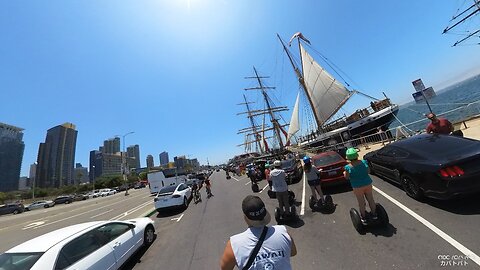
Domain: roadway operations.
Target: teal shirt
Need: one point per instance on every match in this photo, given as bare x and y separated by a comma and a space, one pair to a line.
359, 176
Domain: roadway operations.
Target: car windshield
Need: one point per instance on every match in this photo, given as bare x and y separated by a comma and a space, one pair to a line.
287, 163
167, 189
325, 160
19, 261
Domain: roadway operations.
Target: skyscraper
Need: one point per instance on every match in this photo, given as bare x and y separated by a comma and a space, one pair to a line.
164, 158
111, 146
56, 157
150, 161
11, 155
133, 151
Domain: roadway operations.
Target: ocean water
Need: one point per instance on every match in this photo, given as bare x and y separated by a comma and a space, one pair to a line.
455, 103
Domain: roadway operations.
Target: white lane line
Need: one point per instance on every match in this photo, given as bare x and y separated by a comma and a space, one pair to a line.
474, 257
302, 207
264, 188
235, 179
136, 208
33, 225
102, 213
178, 218
248, 183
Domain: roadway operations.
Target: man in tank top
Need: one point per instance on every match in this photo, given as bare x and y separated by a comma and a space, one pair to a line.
276, 249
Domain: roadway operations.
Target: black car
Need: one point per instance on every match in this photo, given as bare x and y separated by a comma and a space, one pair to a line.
11, 208
293, 169
437, 166
63, 199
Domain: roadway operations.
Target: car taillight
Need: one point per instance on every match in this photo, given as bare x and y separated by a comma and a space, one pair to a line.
453, 171
176, 196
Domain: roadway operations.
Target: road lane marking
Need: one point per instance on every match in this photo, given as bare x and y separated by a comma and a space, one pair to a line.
33, 225
248, 183
302, 207
178, 218
126, 213
235, 179
102, 213
264, 188
474, 257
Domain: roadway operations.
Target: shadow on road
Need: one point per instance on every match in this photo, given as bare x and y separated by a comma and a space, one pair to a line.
462, 206
388, 231
136, 258
337, 189
170, 212
294, 224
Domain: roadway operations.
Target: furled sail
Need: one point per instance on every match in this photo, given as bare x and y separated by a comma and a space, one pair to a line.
326, 94
294, 121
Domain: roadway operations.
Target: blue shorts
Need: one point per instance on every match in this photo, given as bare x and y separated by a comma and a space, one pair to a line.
314, 183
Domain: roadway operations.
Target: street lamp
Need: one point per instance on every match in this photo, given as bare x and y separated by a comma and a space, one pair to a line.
124, 161
33, 182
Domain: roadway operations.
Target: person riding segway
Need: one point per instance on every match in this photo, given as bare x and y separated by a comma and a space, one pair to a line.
286, 209
312, 175
357, 173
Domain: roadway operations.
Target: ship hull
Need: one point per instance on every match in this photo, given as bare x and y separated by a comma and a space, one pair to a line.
363, 127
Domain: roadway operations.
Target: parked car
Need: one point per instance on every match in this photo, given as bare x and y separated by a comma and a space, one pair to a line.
173, 196
39, 204
293, 169
11, 208
139, 185
63, 199
80, 197
107, 192
332, 166
437, 166
91, 245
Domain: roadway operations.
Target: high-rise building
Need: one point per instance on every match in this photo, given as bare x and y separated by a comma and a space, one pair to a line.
133, 151
23, 183
31, 175
180, 162
111, 146
11, 155
164, 158
56, 157
150, 163
95, 167
81, 174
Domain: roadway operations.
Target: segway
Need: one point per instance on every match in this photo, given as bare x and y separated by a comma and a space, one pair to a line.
326, 207
282, 219
255, 187
381, 221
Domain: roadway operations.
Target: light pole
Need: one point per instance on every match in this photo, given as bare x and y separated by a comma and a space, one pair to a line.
124, 161
33, 182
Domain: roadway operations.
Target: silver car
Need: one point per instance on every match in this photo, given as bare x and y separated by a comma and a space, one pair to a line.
39, 204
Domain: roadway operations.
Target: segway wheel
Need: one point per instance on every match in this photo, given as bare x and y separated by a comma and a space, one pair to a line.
229, 177
278, 218
357, 222
271, 194
382, 215
312, 202
329, 205
255, 188
291, 197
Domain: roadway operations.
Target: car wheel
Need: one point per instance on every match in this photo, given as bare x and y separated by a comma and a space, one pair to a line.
411, 187
16, 211
148, 236
67, 202
46, 206
26, 209
185, 202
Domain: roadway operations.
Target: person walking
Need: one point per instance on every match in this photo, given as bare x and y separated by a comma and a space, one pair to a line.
260, 246
280, 187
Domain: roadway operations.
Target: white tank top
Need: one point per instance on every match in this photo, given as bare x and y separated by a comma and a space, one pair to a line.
274, 253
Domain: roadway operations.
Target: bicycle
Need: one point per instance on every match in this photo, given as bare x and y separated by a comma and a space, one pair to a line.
197, 197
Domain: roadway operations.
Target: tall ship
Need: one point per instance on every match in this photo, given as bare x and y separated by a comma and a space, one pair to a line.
325, 95
266, 133
461, 24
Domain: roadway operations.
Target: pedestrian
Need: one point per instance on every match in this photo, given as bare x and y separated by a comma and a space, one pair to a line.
357, 172
267, 175
260, 246
438, 125
280, 187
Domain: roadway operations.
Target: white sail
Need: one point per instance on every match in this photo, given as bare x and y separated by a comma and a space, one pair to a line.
294, 121
326, 94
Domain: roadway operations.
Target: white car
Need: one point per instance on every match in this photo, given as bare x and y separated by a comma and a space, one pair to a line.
107, 192
39, 204
91, 245
173, 196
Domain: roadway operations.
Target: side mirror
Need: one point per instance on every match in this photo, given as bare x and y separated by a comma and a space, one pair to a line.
131, 226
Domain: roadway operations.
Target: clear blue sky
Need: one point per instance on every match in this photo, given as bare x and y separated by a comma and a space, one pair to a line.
173, 71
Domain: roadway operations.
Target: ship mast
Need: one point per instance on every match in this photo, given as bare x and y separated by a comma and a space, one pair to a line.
253, 127
270, 110
476, 9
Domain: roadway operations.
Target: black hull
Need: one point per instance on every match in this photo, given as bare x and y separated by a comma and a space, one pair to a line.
357, 132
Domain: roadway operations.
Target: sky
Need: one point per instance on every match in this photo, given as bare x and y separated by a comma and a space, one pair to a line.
173, 71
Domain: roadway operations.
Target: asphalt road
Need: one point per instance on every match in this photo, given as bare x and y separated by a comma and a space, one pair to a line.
421, 235
16, 229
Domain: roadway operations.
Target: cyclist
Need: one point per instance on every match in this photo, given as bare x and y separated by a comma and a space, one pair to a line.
196, 192
312, 175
